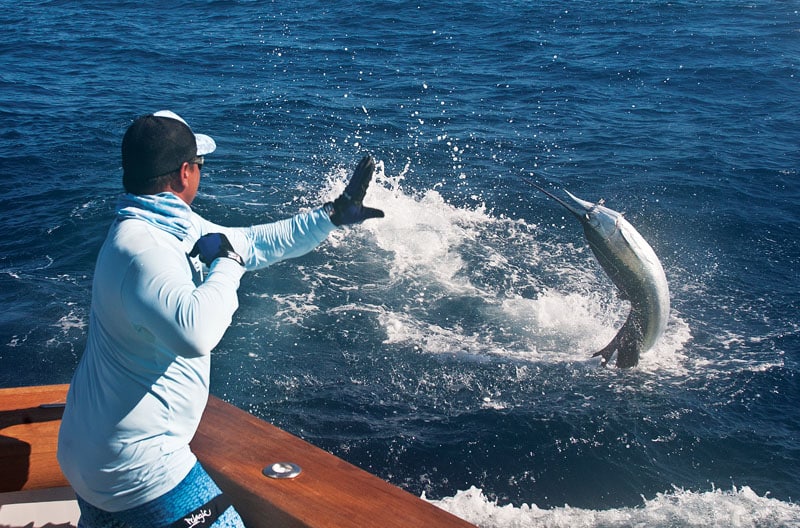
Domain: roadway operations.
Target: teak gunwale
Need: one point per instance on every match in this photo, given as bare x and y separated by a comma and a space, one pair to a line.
234, 446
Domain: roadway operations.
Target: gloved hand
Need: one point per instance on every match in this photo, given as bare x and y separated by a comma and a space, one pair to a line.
348, 208
213, 246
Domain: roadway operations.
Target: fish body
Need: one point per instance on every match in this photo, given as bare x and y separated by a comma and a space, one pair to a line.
635, 270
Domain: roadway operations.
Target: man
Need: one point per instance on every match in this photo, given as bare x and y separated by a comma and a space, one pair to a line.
164, 292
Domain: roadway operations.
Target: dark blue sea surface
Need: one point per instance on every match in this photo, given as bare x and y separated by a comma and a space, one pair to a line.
447, 348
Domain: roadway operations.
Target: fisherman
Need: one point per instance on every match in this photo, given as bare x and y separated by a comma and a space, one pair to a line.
163, 295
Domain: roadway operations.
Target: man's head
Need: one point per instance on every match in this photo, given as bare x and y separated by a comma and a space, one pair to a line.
156, 149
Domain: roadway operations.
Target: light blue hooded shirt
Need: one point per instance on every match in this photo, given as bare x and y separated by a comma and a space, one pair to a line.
141, 386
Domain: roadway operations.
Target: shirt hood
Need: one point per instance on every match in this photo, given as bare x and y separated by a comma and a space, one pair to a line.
165, 211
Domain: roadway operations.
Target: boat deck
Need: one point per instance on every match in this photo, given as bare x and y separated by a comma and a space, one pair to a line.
50, 508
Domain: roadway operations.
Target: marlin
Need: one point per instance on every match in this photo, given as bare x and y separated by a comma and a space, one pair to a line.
635, 270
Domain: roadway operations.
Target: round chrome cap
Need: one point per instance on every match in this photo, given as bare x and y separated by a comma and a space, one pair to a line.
282, 470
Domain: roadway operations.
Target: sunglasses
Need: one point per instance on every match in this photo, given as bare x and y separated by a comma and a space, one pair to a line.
197, 161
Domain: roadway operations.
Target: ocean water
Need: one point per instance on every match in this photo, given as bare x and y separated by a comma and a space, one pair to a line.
447, 348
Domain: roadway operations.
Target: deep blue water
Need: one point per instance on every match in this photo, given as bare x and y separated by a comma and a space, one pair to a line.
446, 348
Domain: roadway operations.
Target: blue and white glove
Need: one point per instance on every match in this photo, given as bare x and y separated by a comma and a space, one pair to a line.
213, 246
348, 208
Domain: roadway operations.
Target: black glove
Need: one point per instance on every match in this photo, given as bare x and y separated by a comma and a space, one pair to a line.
213, 246
347, 208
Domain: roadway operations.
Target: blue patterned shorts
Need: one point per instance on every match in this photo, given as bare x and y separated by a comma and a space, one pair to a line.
196, 502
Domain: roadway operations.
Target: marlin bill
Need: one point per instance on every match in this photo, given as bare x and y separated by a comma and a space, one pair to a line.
634, 269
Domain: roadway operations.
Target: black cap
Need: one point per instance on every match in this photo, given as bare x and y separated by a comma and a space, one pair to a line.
157, 144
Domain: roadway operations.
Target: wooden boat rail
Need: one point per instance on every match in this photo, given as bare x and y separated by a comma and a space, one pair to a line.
234, 447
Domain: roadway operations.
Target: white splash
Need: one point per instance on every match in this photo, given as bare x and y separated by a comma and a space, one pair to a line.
445, 263
737, 508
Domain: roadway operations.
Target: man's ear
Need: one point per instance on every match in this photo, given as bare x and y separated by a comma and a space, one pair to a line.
181, 179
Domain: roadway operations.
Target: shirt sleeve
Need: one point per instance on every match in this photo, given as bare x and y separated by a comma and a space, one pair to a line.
163, 301
265, 244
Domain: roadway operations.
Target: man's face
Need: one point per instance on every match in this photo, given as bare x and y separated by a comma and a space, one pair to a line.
194, 182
